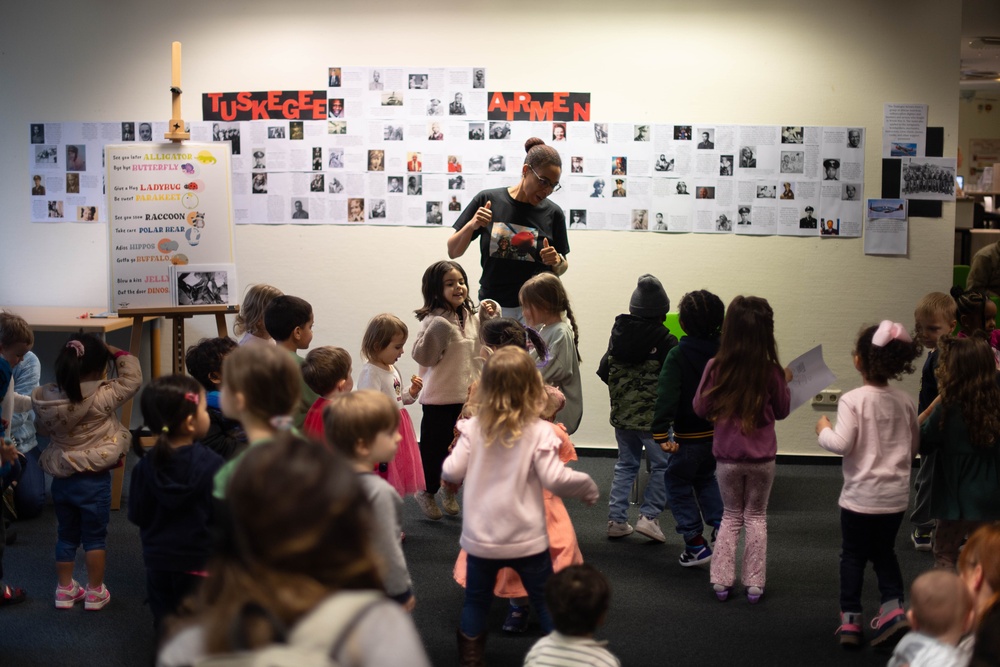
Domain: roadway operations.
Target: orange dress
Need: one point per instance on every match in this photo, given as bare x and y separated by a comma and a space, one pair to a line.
563, 546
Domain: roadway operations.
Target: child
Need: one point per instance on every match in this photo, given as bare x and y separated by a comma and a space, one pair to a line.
79, 413
744, 391
298, 543
639, 344
289, 321
506, 455
16, 339
260, 389
961, 434
543, 302
170, 495
327, 371
29, 491
877, 435
979, 567
976, 311
935, 318
364, 427
381, 347
692, 489
941, 613
578, 598
445, 349
225, 436
249, 324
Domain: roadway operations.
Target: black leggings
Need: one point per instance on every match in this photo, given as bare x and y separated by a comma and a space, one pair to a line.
437, 430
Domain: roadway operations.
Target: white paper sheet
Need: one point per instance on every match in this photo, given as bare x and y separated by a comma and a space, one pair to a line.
810, 375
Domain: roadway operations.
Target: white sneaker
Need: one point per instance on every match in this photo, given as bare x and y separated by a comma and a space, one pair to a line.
619, 528
650, 528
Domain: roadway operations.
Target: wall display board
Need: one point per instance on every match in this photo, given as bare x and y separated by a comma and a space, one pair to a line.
170, 231
411, 146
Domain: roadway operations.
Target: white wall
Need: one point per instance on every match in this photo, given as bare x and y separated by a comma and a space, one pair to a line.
975, 122
727, 61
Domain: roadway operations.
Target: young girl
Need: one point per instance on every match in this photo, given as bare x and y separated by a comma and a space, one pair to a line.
506, 455
260, 389
249, 324
744, 391
543, 302
977, 312
877, 435
78, 412
381, 347
979, 567
170, 495
962, 434
445, 348
563, 545
297, 552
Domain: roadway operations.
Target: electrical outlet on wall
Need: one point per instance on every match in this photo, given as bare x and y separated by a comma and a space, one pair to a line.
827, 398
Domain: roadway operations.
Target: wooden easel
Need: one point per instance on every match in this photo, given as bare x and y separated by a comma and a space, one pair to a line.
177, 133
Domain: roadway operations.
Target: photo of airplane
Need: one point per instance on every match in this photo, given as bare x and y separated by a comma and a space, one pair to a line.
903, 150
893, 209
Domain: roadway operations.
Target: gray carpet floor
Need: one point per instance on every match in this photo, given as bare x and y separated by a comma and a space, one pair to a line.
661, 613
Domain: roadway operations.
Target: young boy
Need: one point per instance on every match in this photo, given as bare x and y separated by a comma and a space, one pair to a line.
327, 372
639, 344
204, 363
941, 613
935, 316
578, 598
364, 426
16, 339
289, 321
692, 488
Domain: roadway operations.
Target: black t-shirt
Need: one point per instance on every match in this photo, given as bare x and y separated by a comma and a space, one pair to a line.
510, 247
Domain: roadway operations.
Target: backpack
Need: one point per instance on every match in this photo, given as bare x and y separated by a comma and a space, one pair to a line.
314, 641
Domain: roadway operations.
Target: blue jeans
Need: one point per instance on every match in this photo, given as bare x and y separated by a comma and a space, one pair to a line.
654, 498
83, 510
29, 494
692, 489
481, 576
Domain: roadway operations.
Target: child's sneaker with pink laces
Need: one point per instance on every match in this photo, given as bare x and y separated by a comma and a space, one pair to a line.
890, 625
69, 596
97, 598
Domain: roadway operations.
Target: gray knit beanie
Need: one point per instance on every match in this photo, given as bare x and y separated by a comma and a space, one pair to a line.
649, 298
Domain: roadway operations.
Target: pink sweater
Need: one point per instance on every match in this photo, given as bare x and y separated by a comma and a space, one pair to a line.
503, 514
878, 436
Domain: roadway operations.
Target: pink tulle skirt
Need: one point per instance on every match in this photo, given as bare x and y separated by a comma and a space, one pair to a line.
406, 471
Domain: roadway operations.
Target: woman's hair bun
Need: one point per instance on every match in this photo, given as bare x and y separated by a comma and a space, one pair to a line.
532, 142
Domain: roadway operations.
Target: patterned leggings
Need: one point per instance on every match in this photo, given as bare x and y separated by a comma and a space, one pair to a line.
745, 489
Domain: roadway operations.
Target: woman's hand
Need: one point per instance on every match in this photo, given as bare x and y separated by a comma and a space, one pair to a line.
548, 254
484, 216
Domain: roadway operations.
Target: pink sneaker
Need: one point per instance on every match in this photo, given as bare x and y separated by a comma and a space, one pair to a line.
97, 598
69, 596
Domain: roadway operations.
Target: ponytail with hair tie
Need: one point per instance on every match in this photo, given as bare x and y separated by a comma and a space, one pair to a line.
281, 422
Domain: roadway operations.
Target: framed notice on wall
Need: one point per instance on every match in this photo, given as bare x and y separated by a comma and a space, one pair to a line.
169, 208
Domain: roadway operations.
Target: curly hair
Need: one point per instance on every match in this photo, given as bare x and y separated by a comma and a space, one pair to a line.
205, 359
971, 306
889, 362
701, 314
251, 316
510, 395
966, 374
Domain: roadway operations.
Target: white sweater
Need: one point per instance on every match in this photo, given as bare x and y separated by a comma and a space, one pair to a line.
503, 515
446, 353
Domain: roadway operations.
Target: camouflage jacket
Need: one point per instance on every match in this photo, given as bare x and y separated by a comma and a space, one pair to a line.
631, 368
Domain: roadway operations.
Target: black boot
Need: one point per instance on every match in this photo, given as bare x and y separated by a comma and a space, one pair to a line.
471, 650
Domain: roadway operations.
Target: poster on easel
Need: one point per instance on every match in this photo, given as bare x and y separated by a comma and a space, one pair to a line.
169, 206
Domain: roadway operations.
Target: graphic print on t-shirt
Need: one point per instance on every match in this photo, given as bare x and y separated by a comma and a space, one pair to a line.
509, 241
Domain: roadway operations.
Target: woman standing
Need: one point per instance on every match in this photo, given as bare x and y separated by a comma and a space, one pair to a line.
521, 218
